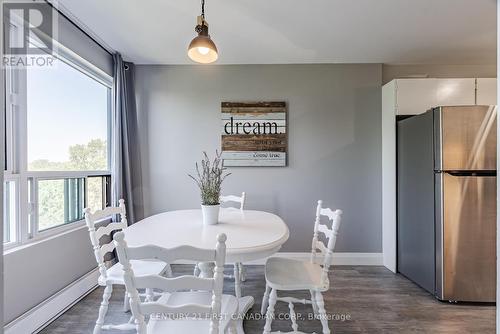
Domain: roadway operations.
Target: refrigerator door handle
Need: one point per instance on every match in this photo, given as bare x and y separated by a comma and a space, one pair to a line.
470, 172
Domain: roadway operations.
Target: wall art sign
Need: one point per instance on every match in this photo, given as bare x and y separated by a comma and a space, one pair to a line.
254, 133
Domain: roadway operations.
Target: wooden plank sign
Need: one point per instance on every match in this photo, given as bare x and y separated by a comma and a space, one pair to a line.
254, 134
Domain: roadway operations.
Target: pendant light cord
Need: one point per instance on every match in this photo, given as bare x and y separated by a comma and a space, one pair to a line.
203, 9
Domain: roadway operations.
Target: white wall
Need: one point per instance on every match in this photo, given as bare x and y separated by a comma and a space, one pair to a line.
36, 272
334, 142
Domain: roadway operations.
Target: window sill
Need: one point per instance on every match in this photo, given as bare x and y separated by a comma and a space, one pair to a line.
50, 235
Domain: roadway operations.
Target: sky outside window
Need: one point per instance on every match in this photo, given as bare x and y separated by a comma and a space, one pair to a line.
66, 108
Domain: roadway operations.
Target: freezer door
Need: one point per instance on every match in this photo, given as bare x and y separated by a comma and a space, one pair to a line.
465, 138
468, 244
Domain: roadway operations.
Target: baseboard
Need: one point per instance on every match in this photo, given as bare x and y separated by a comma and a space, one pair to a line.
41, 315
339, 259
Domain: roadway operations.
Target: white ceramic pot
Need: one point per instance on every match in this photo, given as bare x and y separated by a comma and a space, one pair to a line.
210, 214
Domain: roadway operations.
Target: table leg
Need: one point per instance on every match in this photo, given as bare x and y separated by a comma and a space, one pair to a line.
237, 281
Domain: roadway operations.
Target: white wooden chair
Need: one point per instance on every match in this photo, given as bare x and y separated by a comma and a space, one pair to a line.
290, 274
239, 269
114, 275
235, 199
239, 273
204, 309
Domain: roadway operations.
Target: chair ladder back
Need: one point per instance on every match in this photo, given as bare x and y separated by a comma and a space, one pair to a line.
331, 243
129, 279
95, 235
236, 199
328, 212
331, 235
170, 255
186, 310
315, 240
110, 211
172, 284
187, 282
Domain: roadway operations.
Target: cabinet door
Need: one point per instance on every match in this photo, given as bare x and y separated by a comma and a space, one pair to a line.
486, 91
416, 96
455, 92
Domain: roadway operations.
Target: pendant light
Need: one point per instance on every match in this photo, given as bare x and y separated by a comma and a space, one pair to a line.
202, 49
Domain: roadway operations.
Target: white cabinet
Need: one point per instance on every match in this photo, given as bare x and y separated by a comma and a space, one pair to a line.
455, 92
487, 91
389, 175
416, 96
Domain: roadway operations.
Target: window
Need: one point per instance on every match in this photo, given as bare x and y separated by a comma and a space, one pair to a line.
98, 192
57, 147
74, 108
60, 202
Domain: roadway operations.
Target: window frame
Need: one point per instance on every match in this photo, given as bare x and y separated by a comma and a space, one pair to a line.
16, 226
16, 153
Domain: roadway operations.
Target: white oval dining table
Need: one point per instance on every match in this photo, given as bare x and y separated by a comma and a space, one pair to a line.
251, 235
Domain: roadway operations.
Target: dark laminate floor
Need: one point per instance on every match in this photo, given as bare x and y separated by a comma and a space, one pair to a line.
374, 299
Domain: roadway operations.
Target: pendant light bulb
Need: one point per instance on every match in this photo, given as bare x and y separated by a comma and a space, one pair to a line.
203, 50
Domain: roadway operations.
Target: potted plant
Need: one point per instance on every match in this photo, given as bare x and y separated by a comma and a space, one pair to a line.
210, 175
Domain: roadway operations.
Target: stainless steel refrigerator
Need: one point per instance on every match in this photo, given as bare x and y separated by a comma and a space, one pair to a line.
447, 202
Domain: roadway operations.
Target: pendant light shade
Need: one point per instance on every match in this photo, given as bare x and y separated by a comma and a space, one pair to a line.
202, 49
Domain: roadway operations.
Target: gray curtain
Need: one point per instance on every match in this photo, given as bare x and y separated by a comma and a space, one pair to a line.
125, 158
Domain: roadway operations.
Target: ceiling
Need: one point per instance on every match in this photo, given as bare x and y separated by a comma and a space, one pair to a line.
293, 31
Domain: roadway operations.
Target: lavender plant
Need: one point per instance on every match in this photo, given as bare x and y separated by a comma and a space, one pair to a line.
210, 175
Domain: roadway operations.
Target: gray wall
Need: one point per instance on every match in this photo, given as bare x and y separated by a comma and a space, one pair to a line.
334, 142
390, 72
34, 273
